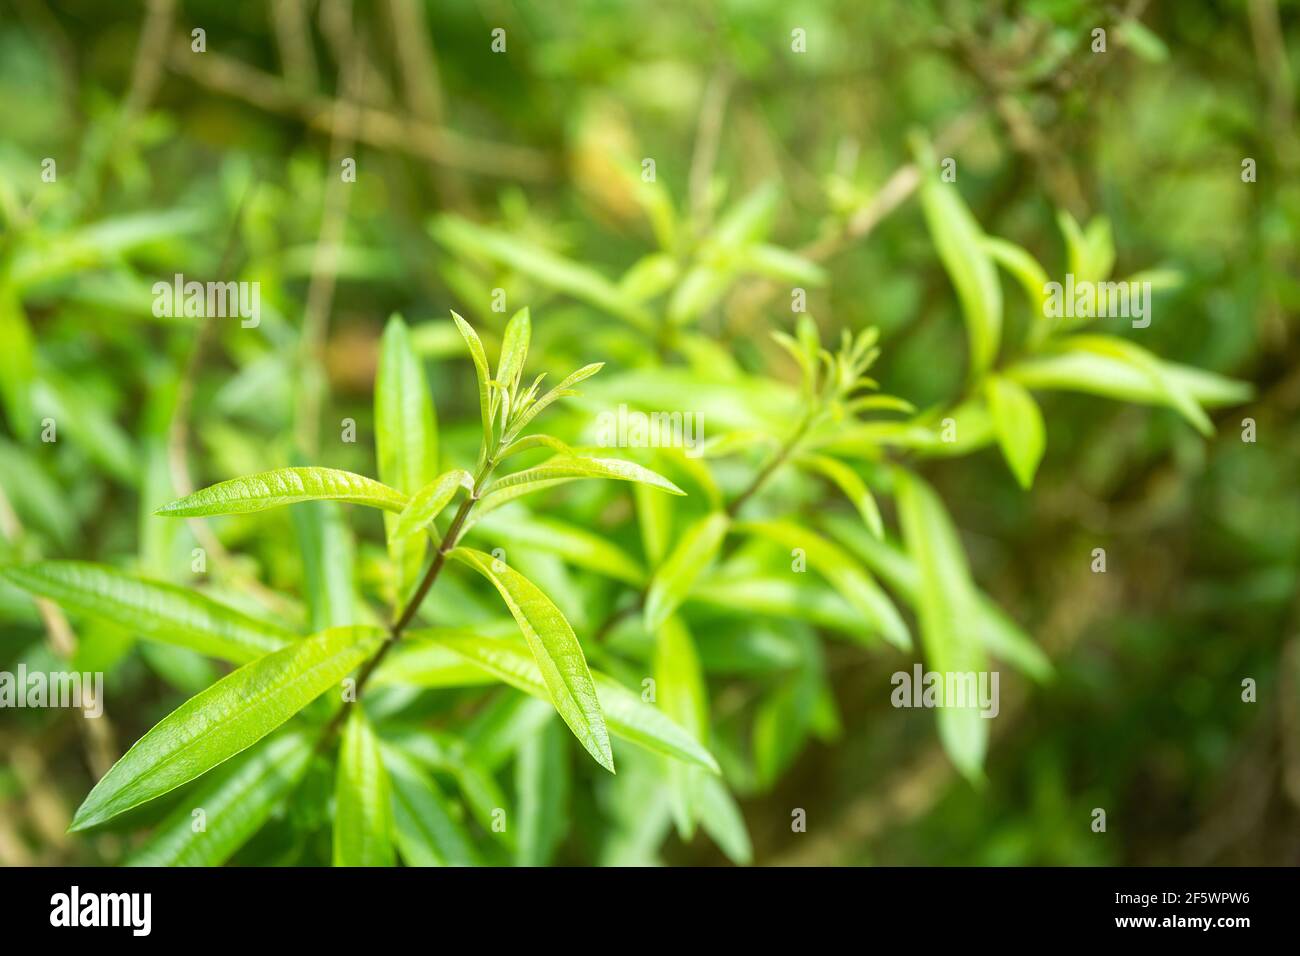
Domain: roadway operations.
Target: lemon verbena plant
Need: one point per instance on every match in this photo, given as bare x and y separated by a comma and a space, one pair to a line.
295, 698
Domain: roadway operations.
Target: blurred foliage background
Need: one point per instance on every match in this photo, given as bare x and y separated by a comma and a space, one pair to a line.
522, 170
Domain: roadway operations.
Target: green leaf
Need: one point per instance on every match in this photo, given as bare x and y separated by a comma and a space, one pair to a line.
626, 714
514, 349
777, 597
994, 630
1026, 271
654, 517
844, 573
959, 242
722, 820
427, 503
406, 440
574, 544
854, 488
946, 607
235, 801
1119, 350
328, 563
481, 373
542, 791
425, 827
530, 442
541, 265
1106, 376
562, 469
681, 694
563, 390
284, 486
690, 558
363, 811
150, 609
1019, 426
17, 364
228, 717
555, 648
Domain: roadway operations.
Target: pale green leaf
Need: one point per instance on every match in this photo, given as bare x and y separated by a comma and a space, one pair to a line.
425, 826
514, 349
845, 574
542, 792
946, 607
151, 609
626, 714
285, 486
328, 563
427, 503
691, 557
406, 440
226, 718
682, 695
555, 649
235, 800
995, 632
481, 372
562, 469
1019, 426
363, 811
959, 242
854, 488
543, 266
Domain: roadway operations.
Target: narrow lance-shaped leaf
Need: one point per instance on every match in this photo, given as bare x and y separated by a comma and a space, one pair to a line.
284, 486
542, 792
363, 821
1019, 426
427, 503
425, 829
555, 648
1169, 388
514, 349
946, 608
854, 488
17, 363
844, 573
1111, 378
996, 633
627, 715
691, 557
150, 609
479, 357
406, 440
562, 469
681, 693
328, 563
573, 544
235, 801
959, 242
564, 389
231, 715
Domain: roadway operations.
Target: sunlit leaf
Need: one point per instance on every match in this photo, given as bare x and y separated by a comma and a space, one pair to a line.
1019, 426
626, 714
946, 606
231, 715
555, 649
235, 801
363, 812
285, 486
151, 609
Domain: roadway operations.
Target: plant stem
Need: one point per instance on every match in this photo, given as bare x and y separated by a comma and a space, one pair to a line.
398, 627
779, 457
